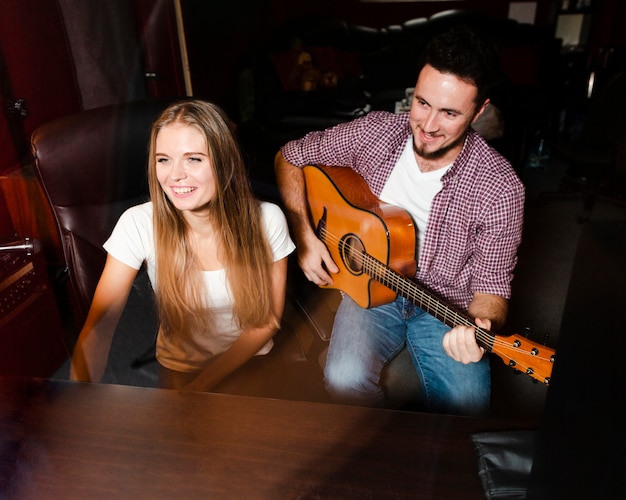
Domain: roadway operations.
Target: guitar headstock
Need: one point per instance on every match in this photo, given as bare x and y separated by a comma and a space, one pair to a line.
524, 355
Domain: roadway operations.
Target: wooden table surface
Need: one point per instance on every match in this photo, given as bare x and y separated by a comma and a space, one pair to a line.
72, 440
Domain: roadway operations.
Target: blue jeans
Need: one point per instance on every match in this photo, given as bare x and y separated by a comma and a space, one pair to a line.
364, 340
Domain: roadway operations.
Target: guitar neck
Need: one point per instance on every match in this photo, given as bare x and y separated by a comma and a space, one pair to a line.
425, 300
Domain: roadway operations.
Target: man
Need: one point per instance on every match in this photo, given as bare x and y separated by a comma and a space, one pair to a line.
467, 204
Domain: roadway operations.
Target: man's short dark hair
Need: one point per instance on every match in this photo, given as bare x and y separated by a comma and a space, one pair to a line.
466, 54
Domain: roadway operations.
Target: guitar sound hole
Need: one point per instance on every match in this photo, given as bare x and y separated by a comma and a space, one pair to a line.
352, 253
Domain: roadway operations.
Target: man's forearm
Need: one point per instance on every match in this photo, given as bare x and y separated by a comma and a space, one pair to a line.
290, 180
491, 307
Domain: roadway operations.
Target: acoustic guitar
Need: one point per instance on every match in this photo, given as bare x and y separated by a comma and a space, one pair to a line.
373, 243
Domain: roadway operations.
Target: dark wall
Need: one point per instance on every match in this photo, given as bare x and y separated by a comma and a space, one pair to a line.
219, 34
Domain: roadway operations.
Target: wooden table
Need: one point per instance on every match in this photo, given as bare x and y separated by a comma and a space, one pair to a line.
70, 440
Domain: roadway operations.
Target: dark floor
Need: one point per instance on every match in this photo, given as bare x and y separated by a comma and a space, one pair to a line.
540, 290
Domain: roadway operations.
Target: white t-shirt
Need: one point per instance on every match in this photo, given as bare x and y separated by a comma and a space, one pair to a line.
412, 190
132, 243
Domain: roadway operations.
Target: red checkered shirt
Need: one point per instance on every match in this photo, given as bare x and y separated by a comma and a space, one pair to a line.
475, 222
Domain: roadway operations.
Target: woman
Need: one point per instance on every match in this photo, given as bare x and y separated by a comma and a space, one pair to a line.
216, 256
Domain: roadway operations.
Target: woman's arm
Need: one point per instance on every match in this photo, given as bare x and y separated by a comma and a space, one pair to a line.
94, 342
249, 342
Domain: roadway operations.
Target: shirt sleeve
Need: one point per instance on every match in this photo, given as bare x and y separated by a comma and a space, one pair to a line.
340, 145
370, 145
497, 244
131, 240
277, 230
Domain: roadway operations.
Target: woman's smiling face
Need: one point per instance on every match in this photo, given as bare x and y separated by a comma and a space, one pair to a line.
183, 167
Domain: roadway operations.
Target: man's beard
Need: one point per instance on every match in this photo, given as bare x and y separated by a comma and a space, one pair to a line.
441, 152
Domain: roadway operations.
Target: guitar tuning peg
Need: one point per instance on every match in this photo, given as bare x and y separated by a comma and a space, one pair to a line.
528, 331
546, 337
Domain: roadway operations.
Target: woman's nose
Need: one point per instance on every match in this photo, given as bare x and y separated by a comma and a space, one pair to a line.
178, 171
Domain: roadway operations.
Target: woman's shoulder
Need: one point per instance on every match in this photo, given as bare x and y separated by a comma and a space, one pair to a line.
276, 229
269, 207
142, 208
136, 220
270, 211
142, 211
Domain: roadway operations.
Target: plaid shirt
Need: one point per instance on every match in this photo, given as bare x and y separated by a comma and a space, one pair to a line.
475, 222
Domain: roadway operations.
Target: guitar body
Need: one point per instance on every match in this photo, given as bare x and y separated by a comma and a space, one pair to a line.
354, 218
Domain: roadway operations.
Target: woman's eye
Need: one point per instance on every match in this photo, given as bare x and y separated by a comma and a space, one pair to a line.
162, 160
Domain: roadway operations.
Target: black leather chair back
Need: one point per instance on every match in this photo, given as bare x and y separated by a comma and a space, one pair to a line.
92, 166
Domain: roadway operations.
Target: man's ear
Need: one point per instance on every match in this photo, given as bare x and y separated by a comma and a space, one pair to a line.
481, 110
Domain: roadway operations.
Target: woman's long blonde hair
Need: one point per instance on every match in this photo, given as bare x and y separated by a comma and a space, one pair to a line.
235, 214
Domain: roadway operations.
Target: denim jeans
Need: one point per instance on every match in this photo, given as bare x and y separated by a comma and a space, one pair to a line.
364, 340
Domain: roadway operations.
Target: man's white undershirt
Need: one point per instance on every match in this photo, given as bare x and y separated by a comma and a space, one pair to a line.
412, 190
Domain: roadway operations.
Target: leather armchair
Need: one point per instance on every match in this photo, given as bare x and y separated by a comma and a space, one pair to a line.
92, 166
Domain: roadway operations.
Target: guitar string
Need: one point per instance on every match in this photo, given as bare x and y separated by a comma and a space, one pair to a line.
409, 288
